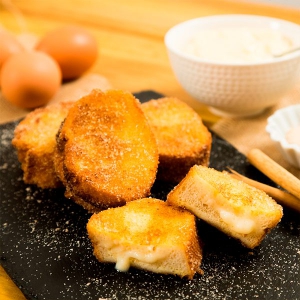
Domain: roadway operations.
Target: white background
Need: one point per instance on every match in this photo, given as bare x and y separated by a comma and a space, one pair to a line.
290, 3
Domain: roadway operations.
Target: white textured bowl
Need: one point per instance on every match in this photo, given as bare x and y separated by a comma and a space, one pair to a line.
233, 89
278, 126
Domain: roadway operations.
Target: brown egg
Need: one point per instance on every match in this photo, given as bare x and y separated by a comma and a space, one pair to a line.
72, 47
30, 79
9, 45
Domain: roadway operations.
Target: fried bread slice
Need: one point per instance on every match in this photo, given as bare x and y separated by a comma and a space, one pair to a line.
234, 207
147, 234
34, 139
182, 139
106, 152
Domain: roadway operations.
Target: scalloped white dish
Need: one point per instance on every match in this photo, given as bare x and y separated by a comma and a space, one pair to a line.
279, 125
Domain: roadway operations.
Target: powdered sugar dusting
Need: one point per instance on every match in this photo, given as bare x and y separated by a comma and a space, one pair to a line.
45, 248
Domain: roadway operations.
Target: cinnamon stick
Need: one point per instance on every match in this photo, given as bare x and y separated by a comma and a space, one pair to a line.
274, 171
280, 196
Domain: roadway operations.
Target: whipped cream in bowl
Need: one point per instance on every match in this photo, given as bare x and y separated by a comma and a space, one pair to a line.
232, 63
238, 45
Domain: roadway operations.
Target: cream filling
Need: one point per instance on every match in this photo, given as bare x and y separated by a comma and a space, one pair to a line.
146, 255
123, 255
241, 223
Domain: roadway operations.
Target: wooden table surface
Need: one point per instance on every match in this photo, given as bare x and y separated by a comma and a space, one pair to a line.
130, 34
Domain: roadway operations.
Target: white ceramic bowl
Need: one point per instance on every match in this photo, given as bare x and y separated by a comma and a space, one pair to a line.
234, 89
279, 125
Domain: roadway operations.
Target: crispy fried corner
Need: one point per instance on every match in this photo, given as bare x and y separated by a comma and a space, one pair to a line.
106, 152
34, 139
147, 234
183, 140
234, 207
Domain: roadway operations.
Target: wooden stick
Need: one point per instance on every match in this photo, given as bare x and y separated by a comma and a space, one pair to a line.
274, 171
280, 196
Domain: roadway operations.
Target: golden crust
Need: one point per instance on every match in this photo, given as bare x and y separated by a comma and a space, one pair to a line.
233, 206
34, 139
106, 152
147, 228
182, 139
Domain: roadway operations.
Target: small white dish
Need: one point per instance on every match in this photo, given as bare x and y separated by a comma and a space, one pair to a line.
278, 126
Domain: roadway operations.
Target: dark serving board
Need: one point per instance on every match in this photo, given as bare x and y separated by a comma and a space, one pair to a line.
45, 249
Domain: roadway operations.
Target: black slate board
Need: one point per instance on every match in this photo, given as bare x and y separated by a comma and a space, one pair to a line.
45, 249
